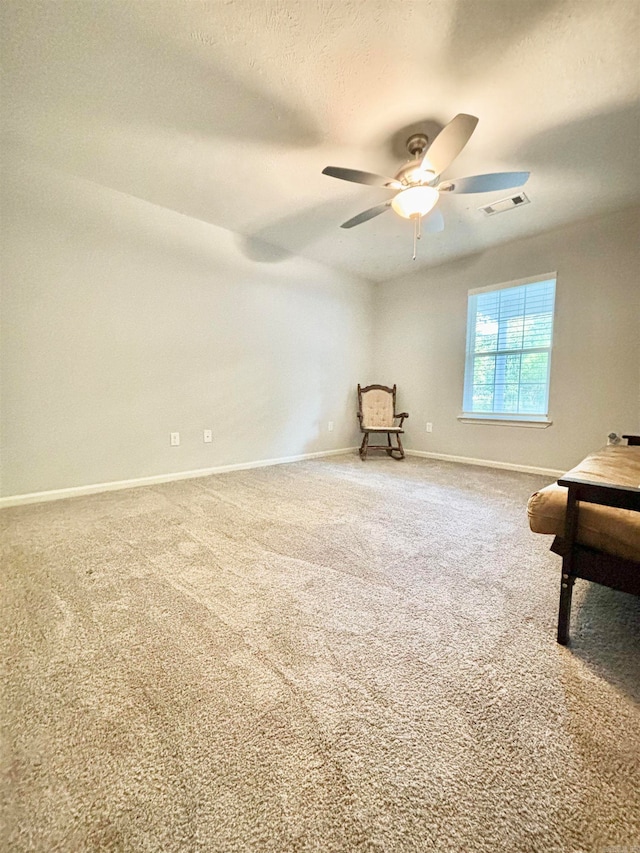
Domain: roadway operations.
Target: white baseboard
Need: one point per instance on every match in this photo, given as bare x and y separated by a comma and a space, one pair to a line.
96, 488
488, 463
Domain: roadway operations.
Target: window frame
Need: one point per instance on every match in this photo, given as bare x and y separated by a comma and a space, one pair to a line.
540, 420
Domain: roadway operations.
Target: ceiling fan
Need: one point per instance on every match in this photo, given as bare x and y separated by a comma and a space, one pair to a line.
415, 185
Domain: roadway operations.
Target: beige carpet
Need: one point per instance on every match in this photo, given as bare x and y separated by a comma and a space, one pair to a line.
323, 656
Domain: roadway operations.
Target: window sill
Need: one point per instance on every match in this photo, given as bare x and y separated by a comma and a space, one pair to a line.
529, 422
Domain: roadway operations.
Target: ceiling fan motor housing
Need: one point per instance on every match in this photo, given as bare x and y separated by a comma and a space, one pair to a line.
412, 174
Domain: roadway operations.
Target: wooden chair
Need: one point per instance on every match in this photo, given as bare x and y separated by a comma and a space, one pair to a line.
377, 414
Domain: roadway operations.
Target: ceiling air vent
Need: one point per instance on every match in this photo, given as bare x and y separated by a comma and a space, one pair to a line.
505, 204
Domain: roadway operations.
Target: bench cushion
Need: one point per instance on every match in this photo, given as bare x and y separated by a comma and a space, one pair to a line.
614, 531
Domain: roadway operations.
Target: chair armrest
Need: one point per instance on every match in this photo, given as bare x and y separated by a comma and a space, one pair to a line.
401, 415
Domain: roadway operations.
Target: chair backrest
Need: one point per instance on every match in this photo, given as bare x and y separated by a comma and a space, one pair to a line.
377, 404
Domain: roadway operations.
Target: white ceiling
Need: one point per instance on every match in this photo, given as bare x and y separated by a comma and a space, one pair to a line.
228, 111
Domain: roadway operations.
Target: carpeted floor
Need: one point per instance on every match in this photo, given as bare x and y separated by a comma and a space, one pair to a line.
324, 656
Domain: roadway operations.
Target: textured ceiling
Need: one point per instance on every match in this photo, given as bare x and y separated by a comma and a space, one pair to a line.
228, 111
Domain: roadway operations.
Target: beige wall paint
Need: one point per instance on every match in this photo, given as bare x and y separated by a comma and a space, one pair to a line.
123, 321
595, 381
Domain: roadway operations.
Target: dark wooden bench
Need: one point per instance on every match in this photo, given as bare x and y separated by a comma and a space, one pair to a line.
580, 561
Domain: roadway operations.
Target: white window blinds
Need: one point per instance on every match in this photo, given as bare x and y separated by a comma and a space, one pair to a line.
509, 337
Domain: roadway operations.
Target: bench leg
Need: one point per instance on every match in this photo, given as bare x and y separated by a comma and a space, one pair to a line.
564, 613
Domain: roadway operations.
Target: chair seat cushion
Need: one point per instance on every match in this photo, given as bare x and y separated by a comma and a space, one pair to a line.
366, 428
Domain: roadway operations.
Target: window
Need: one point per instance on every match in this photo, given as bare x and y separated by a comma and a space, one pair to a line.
509, 337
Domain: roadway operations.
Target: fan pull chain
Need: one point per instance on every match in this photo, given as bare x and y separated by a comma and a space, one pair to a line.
417, 233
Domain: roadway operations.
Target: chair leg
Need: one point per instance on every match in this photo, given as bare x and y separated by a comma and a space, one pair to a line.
390, 448
400, 447
364, 446
564, 612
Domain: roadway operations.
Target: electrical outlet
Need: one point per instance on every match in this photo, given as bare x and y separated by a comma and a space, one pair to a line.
175, 439
207, 436
330, 426
429, 427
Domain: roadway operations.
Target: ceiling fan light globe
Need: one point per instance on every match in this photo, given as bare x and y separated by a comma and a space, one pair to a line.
415, 201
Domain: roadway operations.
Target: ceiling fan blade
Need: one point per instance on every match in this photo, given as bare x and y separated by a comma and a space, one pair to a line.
433, 222
362, 177
366, 214
449, 143
485, 183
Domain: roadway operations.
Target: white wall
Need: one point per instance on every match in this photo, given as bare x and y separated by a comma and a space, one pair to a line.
123, 321
595, 378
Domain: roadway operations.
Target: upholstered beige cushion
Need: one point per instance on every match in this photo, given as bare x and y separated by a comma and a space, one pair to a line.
377, 409
615, 531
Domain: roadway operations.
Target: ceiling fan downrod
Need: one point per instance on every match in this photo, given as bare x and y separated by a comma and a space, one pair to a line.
417, 145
